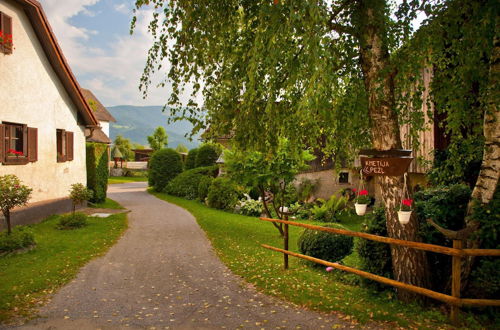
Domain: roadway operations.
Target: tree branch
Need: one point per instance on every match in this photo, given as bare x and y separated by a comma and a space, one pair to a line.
461, 234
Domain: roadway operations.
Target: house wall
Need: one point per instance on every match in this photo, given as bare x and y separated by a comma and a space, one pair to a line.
328, 181
104, 127
32, 94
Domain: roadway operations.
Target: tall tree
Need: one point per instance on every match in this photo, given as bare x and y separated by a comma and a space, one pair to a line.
159, 139
125, 147
272, 69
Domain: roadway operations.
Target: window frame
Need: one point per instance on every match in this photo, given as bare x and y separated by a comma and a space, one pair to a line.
16, 159
6, 26
64, 143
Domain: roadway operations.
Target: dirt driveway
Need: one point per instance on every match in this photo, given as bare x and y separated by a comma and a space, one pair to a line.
163, 274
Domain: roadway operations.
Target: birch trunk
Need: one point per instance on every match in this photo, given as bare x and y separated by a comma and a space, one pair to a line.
409, 265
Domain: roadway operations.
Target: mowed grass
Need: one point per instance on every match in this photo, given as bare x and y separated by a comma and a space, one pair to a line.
237, 240
125, 179
27, 278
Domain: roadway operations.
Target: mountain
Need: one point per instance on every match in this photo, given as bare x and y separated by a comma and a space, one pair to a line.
137, 123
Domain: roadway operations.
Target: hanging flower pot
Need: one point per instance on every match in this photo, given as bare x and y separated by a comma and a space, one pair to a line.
404, 213
361, 202
360, 208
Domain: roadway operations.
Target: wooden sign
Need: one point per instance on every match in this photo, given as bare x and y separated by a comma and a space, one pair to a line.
388, 166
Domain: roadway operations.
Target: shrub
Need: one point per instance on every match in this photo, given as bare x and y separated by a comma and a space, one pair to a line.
164, 165
191, 159
203, 186
185, 185
447, 207
222, 194
328, 210
79, 194
97, 171
72, 221
12, 194
250, 207
324, 245
206, 156
20, 237
375, 257
306, 189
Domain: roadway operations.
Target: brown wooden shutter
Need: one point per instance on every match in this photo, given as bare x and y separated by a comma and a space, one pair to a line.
32, 144
6, 27
2, 143
69, 146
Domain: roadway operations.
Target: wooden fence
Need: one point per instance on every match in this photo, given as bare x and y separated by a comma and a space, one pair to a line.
457, 252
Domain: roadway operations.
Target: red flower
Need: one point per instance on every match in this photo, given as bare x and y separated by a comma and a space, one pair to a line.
407, 202
354, 190
363, 192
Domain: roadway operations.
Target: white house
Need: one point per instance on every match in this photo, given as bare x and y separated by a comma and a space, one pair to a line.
44, 117
103, 116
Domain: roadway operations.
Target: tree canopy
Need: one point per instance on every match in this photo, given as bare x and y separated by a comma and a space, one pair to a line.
159, 139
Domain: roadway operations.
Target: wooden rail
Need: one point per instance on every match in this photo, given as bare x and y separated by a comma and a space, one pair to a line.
456, 252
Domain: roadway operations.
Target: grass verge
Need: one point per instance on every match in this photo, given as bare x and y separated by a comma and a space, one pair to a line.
125, 179
27, 279
107, 204
237, 240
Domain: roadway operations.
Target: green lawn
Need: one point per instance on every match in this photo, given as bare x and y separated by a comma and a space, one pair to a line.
27, 278
237, 240
107, 204
125, 179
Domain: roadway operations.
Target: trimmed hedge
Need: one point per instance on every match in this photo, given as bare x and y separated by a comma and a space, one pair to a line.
203, 186
186, 184
72, 221
97, 171
164, 165
222, 194
191, 159
206, 156
324, 245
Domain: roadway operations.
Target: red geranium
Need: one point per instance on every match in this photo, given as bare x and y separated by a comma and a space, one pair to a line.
363, 192
406, 204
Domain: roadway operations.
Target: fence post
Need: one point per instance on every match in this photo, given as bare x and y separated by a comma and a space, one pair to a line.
285, 243
456, 270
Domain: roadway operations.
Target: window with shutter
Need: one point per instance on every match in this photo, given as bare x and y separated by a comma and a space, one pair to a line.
69, 146
6, 36
32, 144
61, 145
2, 143
20, 144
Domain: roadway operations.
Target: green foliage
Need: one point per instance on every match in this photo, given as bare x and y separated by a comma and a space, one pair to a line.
305, 189
125, 147
20, 238
12, 193
164, 165
181, 148
79, 194
72, 221
159, 139
97, 171
250, 207
222, 194
203, 186
187, 183
324, 245
206, 155
327, 211
191, 159
375, 257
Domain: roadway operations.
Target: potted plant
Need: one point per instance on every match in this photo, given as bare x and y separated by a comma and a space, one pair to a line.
405, 210
361, 202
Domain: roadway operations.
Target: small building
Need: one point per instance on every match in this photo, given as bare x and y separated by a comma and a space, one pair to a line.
44, 117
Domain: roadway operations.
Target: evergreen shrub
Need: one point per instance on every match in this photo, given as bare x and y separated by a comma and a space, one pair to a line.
191, 159
222, 194
324, 245
97, 171
164, 165
206, 156
203, 185
20, 238
72, 221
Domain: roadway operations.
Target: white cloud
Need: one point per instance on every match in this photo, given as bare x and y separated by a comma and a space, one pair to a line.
122, 8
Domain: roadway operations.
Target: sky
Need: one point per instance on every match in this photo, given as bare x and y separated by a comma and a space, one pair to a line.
94, 36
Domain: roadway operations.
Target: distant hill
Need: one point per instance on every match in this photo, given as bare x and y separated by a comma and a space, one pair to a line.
136, 123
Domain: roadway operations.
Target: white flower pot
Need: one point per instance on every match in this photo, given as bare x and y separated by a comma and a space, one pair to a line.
360, 208
404, 217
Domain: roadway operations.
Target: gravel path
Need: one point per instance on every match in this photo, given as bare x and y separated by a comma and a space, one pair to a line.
164, 274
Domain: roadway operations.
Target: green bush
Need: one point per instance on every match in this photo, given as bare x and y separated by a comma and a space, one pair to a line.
206, 156
20, 238
97, 171
191, 159
447, 207
324, 245
250, 207
222, 194
164, 165
328, 211
375, 257
203, 186
72, 221
186, 184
